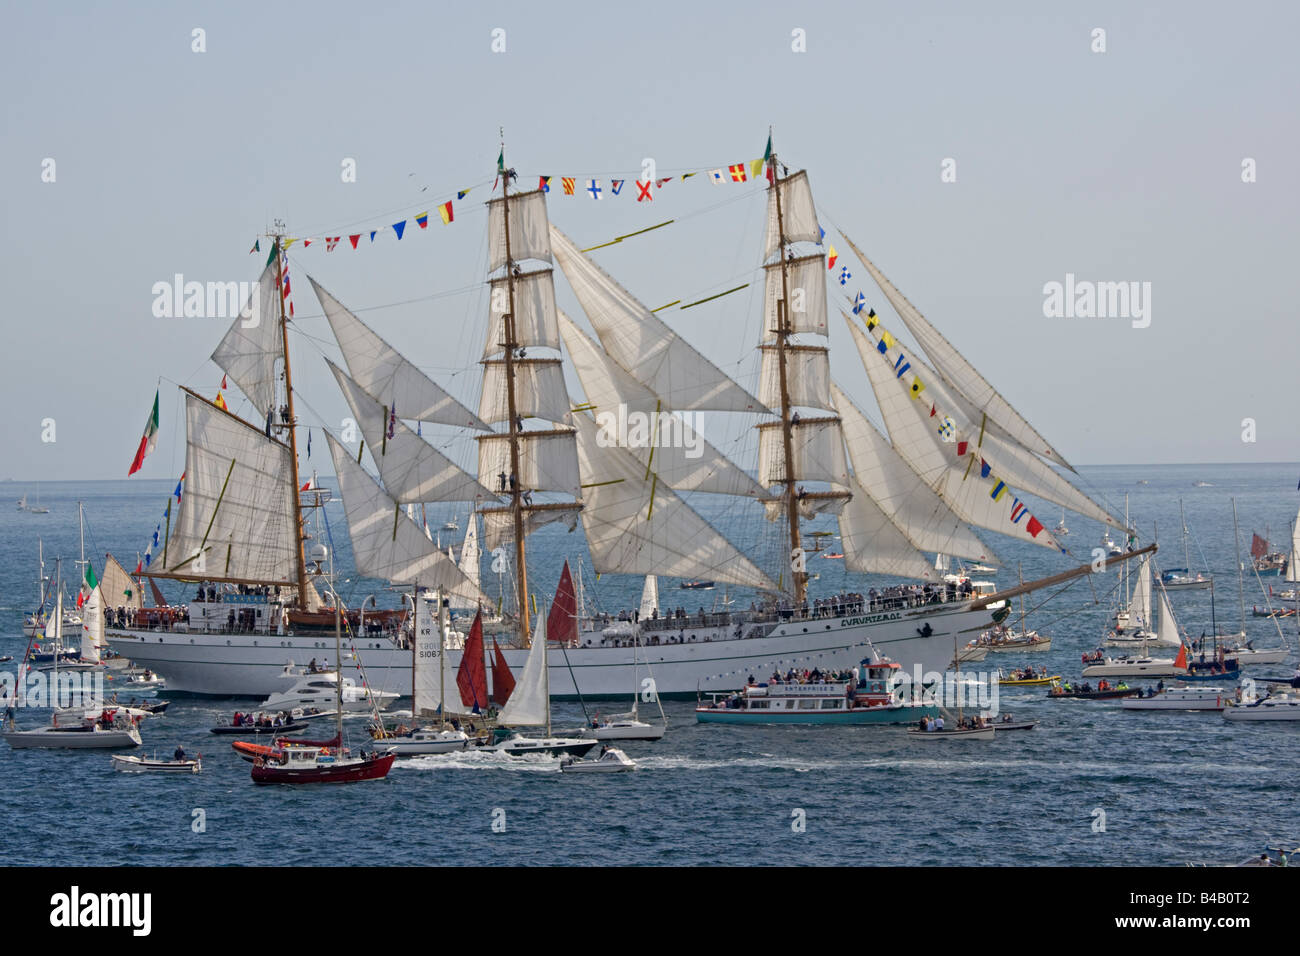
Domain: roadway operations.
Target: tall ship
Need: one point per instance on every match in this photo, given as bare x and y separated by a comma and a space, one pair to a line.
957, 458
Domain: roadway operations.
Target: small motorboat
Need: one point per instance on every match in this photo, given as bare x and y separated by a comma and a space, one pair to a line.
611, 760
698, 585
517, 745
627, 729
6, 658
1061, 693
319, 762
133, 764
1017, 679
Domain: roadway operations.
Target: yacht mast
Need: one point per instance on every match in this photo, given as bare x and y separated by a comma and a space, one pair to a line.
516, 491
783, 331
299, 531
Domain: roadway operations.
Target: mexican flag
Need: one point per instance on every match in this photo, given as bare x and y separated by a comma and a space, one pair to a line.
150, 440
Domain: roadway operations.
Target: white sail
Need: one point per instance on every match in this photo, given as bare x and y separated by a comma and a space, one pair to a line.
914, 507
1168, 635
649, 598
1019, 467
1139, 605
528, 229
411, 469
646, 348
92, 627
386, 375
528, 705
805, 281
818, 448
237, 519
873, 544
120, 589
539, 390
470, 564
534, 312
958, 372
953, 469
434, 682
252, 351
388, 545
547, 461
637, 525
499, 527
1293, 560
807, 376
798, 214
688, 463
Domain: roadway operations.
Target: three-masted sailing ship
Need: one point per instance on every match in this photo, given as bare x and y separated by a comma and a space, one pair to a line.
947, 467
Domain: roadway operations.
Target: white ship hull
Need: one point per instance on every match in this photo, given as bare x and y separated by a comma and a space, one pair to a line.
244, 665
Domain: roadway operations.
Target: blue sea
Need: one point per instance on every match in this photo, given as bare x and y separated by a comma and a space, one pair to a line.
1090, 785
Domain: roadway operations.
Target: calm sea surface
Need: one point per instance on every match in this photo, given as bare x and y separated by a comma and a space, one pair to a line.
1172, 787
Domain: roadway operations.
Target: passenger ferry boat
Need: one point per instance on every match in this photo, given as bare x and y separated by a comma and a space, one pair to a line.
870, 699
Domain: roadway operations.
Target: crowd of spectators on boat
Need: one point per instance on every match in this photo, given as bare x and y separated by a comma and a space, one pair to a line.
806, 676
282, 719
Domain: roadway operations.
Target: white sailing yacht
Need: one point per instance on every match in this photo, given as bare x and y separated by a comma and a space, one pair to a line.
949, 465
1182, 579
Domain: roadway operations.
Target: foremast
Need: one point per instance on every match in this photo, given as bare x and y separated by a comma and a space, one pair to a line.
808, 384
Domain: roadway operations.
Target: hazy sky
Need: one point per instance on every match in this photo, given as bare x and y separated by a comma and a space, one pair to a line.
1117, 166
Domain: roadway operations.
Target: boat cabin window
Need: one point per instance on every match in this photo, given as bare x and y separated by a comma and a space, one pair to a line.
807, 705
831, 704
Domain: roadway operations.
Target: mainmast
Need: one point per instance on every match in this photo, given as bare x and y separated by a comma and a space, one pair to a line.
783, 331
516, 485
291, 424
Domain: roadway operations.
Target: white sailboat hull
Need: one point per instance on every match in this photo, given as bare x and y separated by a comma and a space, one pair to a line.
71, 738
1146, 667
1273, 708
234, 665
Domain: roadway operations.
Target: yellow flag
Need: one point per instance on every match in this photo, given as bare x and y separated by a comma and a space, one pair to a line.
755, 167
888, 339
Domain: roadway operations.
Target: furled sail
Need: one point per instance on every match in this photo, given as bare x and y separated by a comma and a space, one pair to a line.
386, 375
646, 348
539, 390
881, 473
636, 524
954, 469
528, 229
688, 463
252, 351
806, 282
534, 312
1293, 563
237, 519
411, 469
388, 545
807, 376
120, 589
798, 213
528, 705
958, 372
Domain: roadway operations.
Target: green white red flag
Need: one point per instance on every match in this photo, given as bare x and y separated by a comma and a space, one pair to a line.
149, 441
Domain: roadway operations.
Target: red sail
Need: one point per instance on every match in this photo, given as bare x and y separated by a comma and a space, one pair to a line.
158, 598
562, 621
1258, 546
472, 676
503, 682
